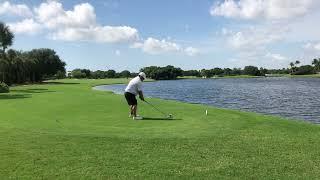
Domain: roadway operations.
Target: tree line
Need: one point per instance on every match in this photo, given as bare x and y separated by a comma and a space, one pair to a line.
153, 72
17, 67
295, 69
99, 74
170, 72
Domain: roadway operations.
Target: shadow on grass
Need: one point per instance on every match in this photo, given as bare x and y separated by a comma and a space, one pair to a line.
34, 90
159, 119
59, 83
14, 96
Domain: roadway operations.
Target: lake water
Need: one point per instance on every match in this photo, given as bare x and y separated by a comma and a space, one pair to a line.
297, 98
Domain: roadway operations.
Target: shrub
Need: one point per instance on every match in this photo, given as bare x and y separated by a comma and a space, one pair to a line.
4, 88
304, 70
251, 70
60, 75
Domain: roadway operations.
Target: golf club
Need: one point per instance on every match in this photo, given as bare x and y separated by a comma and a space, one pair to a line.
169, 116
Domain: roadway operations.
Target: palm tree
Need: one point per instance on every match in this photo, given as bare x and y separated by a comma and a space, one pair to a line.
316, 63
6, 40
6, 37
295, 67
292, 67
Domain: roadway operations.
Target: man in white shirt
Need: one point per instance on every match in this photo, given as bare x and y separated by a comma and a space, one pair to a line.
133, 89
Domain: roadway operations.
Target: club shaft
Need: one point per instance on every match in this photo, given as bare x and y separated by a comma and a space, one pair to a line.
156, 108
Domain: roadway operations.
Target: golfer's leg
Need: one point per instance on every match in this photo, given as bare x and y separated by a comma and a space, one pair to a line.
134, 109
130, 109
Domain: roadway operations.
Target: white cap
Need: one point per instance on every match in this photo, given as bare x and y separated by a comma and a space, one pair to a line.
142, 74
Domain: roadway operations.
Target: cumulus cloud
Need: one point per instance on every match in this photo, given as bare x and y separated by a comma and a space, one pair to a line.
53, 15
267, 9
312, 46
101, 34
262, 58
275, 56
78, 24
191, 51
15, 9
27, 26
155, 46
254, 37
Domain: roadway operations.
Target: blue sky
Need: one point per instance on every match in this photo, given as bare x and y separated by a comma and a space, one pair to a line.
191, 34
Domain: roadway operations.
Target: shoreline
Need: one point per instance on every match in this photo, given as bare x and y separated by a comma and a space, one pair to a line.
248, 76
211, 106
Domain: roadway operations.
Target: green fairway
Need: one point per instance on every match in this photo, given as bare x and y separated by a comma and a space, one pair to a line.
66, 130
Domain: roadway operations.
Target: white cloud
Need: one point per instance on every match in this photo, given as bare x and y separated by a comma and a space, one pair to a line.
255, 37
250, 45
78, 24
260, 59
15, 9
54, 16
226, 31
137, 45
155, 46
27, 26
190, 51
102, 34
275, 23
312, 46
275, 56
267, 9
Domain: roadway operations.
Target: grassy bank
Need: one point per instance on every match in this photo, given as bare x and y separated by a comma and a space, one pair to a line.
305, 76
238, 76
67, 130
248, 76
241, 76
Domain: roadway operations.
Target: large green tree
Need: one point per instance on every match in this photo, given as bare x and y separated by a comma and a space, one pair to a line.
251, 70
125, 74
6, 40
6, 37
162, 73
47, 63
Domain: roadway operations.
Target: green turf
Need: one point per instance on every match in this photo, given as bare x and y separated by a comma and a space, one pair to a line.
67, 130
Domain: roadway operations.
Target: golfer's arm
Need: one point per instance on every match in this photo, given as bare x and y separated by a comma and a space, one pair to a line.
141, 95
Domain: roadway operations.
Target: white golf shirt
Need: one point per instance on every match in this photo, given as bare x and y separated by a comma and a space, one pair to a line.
134, 86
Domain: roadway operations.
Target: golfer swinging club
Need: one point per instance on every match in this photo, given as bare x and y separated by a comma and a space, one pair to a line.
135, 88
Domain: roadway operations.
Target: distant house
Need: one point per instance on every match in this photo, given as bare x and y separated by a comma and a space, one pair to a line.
69, 74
